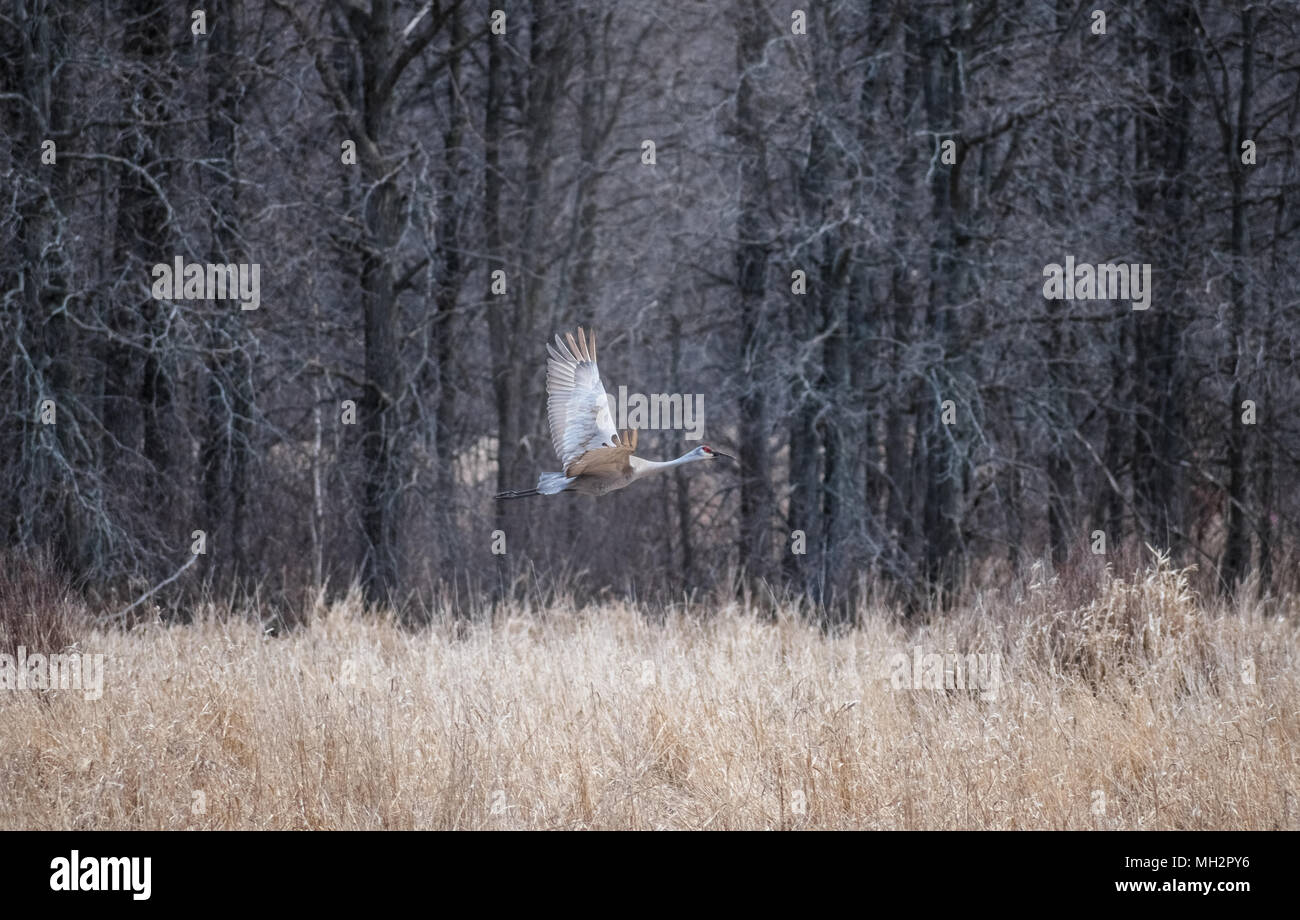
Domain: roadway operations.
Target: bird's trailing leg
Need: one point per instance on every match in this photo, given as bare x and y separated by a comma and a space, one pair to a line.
547, 484
517, 493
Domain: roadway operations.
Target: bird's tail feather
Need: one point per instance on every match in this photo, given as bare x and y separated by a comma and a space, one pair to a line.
551, 483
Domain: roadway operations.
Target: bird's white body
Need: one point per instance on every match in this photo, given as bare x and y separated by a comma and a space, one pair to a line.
553, 483
597, 459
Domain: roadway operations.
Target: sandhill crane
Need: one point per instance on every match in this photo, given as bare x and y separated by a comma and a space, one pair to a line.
596, 458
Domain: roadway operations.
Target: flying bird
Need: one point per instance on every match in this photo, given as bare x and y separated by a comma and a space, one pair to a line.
597, 459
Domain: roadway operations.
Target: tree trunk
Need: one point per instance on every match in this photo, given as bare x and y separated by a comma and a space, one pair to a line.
751, 271
1236, 552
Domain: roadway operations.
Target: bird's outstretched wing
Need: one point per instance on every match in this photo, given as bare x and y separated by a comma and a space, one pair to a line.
576, 404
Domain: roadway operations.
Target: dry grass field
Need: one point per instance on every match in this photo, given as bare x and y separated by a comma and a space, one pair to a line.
1140, 707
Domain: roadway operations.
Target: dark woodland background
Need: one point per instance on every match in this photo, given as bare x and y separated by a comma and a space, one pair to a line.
522, 152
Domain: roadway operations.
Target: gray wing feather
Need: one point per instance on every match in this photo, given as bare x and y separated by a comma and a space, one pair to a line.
576, 405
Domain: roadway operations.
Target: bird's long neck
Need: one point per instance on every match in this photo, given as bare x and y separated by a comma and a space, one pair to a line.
646, 467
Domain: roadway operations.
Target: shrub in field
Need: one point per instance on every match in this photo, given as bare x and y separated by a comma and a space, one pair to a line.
37, 607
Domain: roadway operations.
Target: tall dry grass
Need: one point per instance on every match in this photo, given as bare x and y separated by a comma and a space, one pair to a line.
1132, 705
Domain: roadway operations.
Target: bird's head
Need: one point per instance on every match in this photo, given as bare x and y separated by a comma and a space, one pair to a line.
712, 453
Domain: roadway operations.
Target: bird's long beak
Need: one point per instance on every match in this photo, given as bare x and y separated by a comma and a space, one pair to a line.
723, 453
